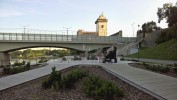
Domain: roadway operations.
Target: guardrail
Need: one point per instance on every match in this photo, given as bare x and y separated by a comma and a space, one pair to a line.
65, 38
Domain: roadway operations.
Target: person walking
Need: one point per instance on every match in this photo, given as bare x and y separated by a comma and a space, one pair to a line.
114, 50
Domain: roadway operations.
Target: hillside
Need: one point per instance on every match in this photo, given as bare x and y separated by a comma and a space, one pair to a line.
164, 51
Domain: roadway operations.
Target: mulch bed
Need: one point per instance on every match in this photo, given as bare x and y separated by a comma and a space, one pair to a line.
33, 90
141, 66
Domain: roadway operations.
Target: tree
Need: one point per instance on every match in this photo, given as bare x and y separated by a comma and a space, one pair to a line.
149, 27
168, 12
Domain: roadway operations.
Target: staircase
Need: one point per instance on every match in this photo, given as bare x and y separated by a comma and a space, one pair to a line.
126, 49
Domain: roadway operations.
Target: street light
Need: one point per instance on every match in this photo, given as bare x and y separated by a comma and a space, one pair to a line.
67, 29
138, 31
138, 43
24, 27
138, 51
133, 28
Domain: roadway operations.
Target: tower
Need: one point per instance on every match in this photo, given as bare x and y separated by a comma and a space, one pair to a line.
101, 25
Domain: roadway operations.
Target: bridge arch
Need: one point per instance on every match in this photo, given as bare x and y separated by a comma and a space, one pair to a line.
12, 46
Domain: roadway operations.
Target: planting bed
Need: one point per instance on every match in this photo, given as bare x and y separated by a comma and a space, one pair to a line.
171, 72
33, 90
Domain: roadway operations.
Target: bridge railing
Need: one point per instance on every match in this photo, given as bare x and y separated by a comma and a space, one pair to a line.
65, 38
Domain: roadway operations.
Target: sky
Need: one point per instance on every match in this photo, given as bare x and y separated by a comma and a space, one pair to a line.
57, 15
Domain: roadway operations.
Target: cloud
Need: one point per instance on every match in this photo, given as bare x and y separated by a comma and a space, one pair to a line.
9, 13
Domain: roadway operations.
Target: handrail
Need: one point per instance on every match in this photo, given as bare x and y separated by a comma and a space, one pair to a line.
64, 38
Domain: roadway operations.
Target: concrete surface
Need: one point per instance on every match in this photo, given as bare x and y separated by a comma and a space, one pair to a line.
160, 86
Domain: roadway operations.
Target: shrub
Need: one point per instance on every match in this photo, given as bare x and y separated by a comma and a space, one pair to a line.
175, 64
23, 62
6, 70
54, 77
27, 66
74, 76
16, 70
55, 80
45, 84
100, 89
175, 69
63, 58
42, 60
122, 59
145, 64
16, 63
165, 69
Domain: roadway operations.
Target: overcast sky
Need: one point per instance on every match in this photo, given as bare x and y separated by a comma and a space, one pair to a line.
79, 14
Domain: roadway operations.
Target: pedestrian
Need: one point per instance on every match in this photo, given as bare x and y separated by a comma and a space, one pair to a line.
114, 50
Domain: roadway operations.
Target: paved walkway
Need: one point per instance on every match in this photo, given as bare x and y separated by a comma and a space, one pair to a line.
154, 60
158, 85
161, 86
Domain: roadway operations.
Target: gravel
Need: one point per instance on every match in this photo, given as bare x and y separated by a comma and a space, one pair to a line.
33, 90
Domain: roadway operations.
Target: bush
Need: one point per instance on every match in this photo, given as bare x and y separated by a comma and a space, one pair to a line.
175, 67
55, 80
6, 70
74, 76
16, 69
122, 59
27, 66
16, 63
42, 60
165, 69
45, 84
175, 64
63, 58
23, 62
157, 68
100, 89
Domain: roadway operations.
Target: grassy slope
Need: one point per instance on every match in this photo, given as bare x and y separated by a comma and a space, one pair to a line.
167, 51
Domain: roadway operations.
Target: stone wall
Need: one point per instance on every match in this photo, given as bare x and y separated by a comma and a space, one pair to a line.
150, 38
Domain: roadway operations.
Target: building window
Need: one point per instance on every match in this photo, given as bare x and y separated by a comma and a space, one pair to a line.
102, 26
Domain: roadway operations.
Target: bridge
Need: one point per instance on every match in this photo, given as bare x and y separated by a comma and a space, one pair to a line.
15, 41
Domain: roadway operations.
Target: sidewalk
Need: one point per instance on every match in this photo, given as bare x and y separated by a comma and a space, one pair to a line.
154, 60
158, 85
16, 79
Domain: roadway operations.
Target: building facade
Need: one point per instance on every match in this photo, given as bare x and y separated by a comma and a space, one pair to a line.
101, 27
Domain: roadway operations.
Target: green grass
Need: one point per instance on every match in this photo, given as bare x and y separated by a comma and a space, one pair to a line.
164, 51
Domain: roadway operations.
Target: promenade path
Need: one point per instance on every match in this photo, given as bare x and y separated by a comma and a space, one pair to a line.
160, 86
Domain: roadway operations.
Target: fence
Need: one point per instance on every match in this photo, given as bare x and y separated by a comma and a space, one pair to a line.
65, 38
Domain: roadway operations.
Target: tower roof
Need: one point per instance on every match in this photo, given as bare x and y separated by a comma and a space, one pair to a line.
101, 18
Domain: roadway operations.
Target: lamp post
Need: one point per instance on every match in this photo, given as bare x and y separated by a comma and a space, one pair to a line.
67, 29
138, 52
138, 43
24, 27
138, 31
133, 28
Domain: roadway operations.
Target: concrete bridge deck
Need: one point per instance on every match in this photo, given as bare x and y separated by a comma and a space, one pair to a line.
161, 86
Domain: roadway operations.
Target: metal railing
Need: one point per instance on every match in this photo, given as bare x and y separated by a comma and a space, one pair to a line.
65, 38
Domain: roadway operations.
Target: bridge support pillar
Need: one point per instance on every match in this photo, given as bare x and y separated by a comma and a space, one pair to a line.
4, 59
86, 54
